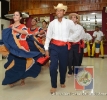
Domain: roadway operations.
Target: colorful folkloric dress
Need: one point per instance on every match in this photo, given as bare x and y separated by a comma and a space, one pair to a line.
38, 37
20, 63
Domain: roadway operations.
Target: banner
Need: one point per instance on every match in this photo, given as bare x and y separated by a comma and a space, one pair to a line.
83, 77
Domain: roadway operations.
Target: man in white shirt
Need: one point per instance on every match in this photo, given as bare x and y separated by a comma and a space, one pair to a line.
98, 37
88, 37
56, 45
77, 45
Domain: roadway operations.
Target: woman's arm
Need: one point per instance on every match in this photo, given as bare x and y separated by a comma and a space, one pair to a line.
40, 32
19, 30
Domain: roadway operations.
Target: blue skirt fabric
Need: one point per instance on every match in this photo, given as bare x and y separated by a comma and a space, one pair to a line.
9, 42
34, 70
10, 58
31, 40
18, 71
1, 42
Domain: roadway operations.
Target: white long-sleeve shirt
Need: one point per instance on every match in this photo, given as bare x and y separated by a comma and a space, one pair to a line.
59, 31
88, 37
77, 34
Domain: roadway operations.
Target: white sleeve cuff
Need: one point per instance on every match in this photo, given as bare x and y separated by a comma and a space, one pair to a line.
46, 48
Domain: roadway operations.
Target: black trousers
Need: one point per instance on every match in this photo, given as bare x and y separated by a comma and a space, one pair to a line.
58, 57
74, 58
81, 56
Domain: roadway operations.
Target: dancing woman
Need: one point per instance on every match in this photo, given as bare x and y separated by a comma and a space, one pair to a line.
21, 61
38, 32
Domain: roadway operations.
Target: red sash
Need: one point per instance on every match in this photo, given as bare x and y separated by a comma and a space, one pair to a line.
43, 60
81, 44
60, 43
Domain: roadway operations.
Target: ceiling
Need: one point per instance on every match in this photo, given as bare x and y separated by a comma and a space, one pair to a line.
7, 0
52, 0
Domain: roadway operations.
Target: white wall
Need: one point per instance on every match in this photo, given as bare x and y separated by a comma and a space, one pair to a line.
0, 8
5, 24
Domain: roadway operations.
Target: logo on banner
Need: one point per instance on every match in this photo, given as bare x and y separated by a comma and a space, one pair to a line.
83, 77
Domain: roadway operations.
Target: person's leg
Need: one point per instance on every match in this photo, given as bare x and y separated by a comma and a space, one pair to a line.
22, 82
53, 66
76, 61
81, 57
63, 61
70, 61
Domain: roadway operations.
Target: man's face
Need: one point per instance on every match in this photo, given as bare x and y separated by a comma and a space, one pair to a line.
60, 13
74, 19
97, 29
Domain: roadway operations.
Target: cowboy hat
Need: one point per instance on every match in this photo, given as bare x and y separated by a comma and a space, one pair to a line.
74, 14
61, 6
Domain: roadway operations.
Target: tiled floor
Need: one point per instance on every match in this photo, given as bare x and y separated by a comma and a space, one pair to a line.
38, 89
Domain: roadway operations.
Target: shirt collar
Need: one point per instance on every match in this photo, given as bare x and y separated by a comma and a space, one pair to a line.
62, 20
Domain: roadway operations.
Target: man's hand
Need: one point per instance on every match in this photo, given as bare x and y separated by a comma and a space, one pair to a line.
95, 36
97, 41
46, 53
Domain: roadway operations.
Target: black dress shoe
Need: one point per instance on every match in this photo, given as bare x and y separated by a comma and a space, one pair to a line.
91, 56
102, 57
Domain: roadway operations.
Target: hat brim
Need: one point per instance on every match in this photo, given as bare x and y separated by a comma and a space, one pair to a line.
63, 7
74, 14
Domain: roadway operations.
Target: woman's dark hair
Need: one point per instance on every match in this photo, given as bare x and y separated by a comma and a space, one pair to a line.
35, 19
45, 22
19, 13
